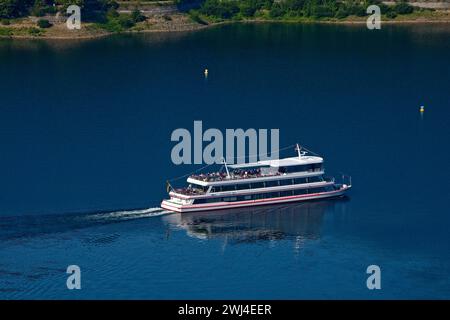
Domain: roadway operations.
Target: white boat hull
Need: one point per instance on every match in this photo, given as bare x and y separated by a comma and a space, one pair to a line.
176, 207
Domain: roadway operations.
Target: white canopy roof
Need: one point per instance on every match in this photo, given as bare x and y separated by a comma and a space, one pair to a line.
286, 162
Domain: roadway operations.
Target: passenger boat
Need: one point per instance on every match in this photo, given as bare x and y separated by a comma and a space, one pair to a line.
293, 179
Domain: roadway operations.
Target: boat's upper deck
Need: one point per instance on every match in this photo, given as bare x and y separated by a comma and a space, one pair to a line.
286, 162
260, 169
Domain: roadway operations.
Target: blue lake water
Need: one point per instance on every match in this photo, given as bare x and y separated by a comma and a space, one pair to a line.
85, 138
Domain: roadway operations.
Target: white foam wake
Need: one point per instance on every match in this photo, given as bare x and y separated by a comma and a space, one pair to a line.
130, 214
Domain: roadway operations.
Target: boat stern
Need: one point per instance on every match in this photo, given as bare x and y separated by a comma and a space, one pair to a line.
171, 205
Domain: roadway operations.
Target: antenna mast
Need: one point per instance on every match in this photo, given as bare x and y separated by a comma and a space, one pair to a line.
226, 167
298, 149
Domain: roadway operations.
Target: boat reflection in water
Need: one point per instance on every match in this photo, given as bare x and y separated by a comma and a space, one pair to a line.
301, 221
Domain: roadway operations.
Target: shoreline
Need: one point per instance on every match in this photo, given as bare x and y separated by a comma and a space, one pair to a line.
98, 34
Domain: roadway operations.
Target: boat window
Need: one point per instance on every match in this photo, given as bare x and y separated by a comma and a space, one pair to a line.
229, 188
274, 183
210, 200
313, 179
267, 195
305, 167
316, 190
286, 193
285, 182
229, 199
299, 180
243, 186
300, 192
257, 185
245, 198
272, 195
299, 168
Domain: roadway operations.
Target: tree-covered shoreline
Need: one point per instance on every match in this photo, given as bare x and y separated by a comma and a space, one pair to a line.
38, 18
11, 9
221, 10
101, 12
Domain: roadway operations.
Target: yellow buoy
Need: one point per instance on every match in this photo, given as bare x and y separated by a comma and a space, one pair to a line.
422, 109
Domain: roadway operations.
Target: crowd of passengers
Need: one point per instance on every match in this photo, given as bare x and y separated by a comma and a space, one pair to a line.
235, 174
190, 190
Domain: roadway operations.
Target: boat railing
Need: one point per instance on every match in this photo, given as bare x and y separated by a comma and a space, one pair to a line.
213, 177
219, 176
189, 191
347, 179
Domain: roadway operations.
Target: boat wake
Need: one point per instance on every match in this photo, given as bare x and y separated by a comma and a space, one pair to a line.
29, 226
128, 214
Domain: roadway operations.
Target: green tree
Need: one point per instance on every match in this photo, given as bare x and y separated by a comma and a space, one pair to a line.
8, 8
96, 10
322, 11
195, 16
403, 8
44, 23
277, 10
248, 8
14, 8
391, 15
137, 16
220, 9
295, 5
341, 13
66, 3
39, 8
126, 21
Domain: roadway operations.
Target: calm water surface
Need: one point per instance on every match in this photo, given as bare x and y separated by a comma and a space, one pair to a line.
85, 135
